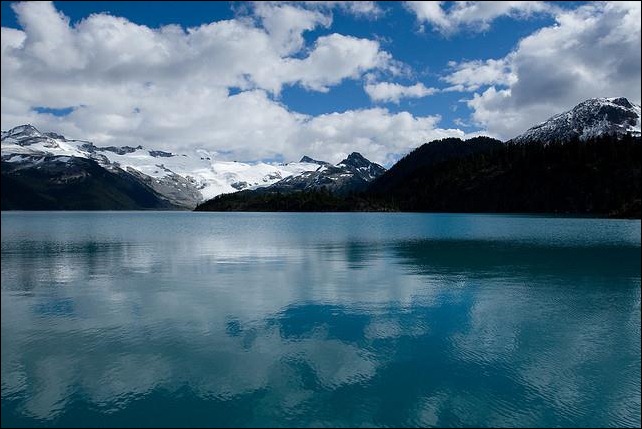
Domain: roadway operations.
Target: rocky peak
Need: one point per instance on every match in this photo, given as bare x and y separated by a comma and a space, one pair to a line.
309, 160
355, 159
26, 130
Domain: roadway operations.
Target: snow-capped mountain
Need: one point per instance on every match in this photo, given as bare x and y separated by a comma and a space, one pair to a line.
591, 118
183, 179
352, 174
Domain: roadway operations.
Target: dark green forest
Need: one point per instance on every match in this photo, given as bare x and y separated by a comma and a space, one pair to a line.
320, 200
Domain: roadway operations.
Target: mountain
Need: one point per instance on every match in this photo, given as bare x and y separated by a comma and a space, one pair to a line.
592, 118
71, 183
430, 154
589, 164
597, 176
350, 175
183, 180
328, 188
313, 161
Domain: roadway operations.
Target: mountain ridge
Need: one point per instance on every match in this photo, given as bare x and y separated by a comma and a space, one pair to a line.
591, 118
184, 180
352, 174
187, 180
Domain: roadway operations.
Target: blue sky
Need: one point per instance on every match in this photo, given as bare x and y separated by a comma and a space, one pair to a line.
439, 69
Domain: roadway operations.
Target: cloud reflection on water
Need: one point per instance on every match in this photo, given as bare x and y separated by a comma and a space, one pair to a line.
399, 331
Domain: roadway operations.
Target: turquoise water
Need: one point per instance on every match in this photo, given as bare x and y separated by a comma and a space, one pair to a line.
243, 319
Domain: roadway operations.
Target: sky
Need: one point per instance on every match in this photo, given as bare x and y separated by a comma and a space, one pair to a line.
274, 81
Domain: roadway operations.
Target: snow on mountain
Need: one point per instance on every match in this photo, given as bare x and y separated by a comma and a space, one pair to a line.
591, 118
185, 179
352, 174
361, 167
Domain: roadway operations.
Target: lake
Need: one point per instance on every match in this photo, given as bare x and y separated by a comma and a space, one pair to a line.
307, 319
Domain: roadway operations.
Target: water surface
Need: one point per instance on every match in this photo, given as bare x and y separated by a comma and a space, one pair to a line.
364, 319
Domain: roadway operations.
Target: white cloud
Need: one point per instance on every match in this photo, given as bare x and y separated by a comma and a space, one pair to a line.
473, 15
368, 9
10, 39
334, 58
377, 132
394, 92
592, 51
286, 23
50, 39
169, 87
224, 53
430, 11
470, 75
